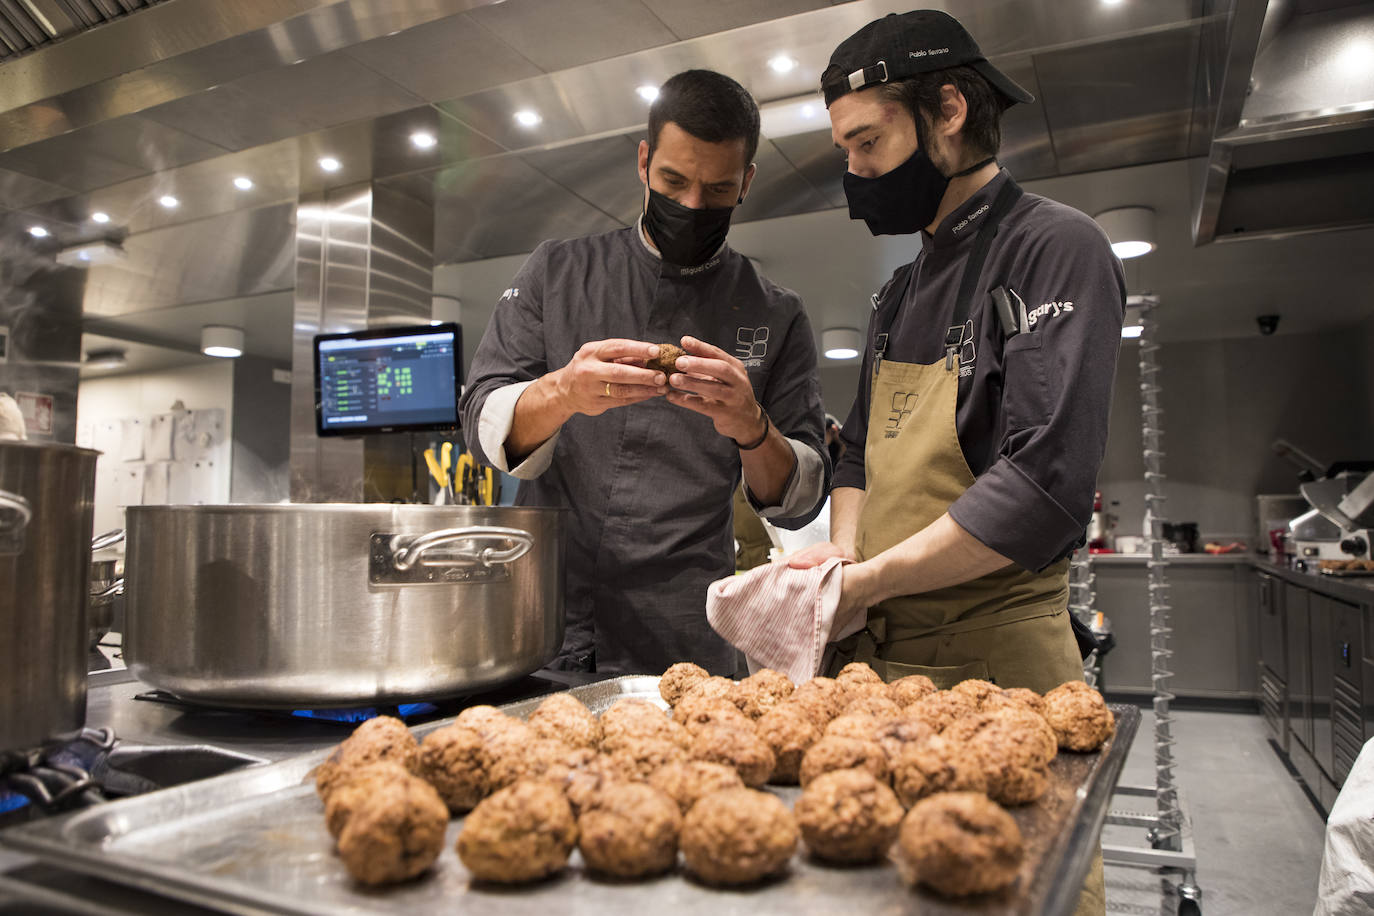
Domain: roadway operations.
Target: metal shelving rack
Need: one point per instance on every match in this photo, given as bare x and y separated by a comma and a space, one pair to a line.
1168, 830
1083, 605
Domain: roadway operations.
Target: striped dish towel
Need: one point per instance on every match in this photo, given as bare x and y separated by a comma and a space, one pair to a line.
781, 617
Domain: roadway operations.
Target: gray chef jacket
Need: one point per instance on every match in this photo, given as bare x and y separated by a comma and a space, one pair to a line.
1032, 410
648, 486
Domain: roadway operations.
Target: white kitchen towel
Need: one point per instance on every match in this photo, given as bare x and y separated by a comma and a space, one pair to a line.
781, 617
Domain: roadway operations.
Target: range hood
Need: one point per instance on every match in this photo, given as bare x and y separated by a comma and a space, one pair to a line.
1293, 148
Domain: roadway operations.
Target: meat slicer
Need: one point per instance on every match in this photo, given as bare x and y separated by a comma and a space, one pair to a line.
1340, 524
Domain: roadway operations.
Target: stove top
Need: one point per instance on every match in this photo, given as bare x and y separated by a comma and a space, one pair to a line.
95, 766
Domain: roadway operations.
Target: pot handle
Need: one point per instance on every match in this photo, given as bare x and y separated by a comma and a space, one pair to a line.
108, 539
18, 506
406, 553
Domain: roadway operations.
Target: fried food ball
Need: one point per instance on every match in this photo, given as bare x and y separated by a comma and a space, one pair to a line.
694, 713
1012, 753
394, 833
522, 833
830, 754
639, 757
631, 719
678, 679
979, 691
789, 734
895, 734
958, 843
1037, 730
881, 707
940, 709
907, 690
823, 697
687, 781
666, 360
760, 692
744, 750
714, 686
630, 831
565, 718
859, 725
859, 691
1029, 697
751, 699
540, 758
353, 786
1079, 716
453, 759
584, 783
377, 739
738, 836
857, 673
937, 765
488, 721
848, 816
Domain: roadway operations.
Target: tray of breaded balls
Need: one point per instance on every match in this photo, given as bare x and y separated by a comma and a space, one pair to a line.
684, 793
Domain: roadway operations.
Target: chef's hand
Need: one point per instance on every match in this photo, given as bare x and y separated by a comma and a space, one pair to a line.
609, 373
715, 384
817, 554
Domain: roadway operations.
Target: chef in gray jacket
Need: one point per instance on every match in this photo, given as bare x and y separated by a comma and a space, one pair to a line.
559, 396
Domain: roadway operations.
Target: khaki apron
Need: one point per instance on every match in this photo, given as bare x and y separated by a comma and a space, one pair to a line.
1011, 626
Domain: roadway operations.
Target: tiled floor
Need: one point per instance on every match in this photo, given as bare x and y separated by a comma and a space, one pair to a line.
1257, 838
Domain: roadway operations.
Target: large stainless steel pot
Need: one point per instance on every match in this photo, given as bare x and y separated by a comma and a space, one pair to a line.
47, 502
330, 605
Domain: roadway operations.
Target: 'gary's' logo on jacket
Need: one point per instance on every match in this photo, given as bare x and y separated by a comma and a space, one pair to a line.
903, 403
751, 346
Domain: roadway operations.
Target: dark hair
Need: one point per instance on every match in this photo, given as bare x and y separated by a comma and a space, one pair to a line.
921, 96
708, 105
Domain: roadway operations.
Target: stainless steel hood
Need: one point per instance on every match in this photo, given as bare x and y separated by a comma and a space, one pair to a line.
1293, 150
181, 98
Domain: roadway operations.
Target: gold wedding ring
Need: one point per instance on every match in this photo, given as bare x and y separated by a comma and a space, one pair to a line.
608, 389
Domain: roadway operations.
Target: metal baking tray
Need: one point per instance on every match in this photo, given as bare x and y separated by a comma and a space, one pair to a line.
254, 841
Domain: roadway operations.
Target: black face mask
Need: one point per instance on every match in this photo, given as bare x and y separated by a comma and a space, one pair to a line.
899, 202
685, 236
904, 200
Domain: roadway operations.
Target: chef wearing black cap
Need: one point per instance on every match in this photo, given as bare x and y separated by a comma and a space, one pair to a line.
980, 421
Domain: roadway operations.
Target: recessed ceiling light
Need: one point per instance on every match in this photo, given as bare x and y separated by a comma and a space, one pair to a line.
223, 341
1131, 230
330, 164
647, 93
1131, 249
841, 343
808, 111
1111, 2
168, 201
527, 118
38, 232
100, 217
423, 140
781, 63
243, 183
1131, 331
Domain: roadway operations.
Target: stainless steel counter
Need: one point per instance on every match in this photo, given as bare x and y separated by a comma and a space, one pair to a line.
28, 886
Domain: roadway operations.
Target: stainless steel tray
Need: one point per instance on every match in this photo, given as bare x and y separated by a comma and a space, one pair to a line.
254, 841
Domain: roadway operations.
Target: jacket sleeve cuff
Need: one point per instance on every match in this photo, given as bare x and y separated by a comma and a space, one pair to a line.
803, 489
493, 427
1010, 513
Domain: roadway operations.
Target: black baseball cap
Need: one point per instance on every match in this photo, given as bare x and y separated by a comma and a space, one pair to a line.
901, 45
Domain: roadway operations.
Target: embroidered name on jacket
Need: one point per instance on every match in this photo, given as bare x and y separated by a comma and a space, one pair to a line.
1048, 310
